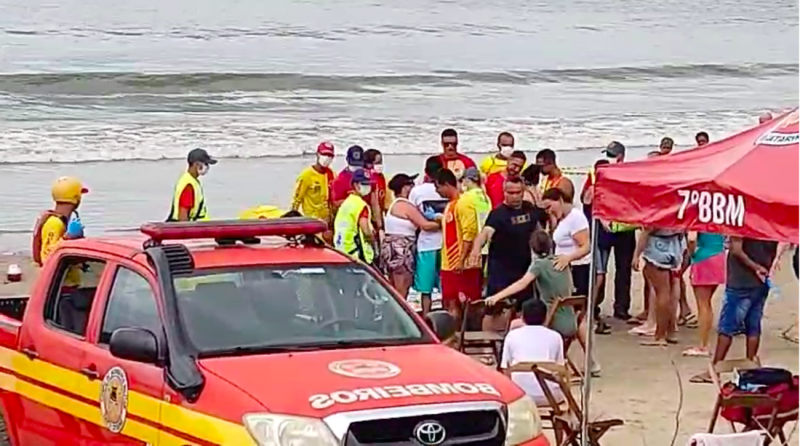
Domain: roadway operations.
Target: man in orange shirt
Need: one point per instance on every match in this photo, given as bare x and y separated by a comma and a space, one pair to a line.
552, 175
460, 277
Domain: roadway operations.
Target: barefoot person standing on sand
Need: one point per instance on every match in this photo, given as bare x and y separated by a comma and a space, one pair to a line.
707, 272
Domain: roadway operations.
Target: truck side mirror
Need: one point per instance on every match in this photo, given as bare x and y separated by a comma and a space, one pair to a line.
134, 344
442, 323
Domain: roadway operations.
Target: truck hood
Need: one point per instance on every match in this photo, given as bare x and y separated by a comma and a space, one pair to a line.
321, 383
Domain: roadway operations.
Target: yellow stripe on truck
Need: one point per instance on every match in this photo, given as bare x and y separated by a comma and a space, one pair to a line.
180, 419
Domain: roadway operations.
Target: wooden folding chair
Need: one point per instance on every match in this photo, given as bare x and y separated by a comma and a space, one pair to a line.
577, 303
773, 423
547, 412
476, 342
568, 424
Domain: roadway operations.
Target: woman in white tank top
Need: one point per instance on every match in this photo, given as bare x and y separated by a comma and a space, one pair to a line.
401, 224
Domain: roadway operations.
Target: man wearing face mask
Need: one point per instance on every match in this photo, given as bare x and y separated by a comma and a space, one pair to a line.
353, 232
311, 190
373, 163
342, 184
497, 162
188, 200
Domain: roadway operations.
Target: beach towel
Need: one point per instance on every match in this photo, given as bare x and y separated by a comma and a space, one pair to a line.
752, 438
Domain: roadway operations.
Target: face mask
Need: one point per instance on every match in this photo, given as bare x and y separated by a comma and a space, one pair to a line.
506, 151
364, 189
202, 170
353, 168
377, 168
324, 160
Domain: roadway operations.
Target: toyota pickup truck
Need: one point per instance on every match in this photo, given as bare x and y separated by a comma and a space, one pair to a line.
238, 333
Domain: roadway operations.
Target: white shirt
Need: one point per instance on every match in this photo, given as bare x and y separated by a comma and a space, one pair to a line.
533, 343
571, 224
421, 193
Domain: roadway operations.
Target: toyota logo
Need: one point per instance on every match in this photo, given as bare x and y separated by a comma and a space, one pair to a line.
430, 433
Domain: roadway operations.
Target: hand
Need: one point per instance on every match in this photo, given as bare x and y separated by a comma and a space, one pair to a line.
429, 214
561, 262
475, 257
762, 273
491, 301
74, 228
459, 268
606, 226
637, 263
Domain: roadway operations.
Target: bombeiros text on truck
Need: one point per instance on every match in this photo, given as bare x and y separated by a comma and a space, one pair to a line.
236, 333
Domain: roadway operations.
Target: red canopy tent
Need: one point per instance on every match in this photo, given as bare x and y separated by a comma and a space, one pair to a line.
745, 185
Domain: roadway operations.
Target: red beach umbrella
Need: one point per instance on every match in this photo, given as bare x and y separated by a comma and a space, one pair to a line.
745, 185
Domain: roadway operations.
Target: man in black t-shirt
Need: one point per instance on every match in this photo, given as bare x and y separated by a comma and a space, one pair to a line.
509, 227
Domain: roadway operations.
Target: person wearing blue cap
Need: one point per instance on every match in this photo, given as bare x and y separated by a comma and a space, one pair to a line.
342, 184
352, 228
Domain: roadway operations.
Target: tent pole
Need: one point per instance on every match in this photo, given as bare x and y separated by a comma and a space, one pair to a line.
589, 318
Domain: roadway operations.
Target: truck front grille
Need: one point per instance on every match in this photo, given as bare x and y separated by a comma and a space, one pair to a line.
479, 427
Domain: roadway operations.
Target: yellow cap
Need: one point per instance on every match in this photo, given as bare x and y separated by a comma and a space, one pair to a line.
68, 190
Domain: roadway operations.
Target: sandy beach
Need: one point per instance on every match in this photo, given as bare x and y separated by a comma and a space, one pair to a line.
638, 384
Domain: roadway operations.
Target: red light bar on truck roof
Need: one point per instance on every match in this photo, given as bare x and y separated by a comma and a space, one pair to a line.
233, 229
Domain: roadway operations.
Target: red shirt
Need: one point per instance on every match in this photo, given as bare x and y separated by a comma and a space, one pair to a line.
186, 200
341, 185
494, 188
379, 186
458, 165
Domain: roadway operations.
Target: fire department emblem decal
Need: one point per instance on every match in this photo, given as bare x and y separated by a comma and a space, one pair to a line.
114, 399
364, 368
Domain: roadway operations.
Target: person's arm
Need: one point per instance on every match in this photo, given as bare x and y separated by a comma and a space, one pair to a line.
568, 188
782, 248
641, 243
482, 238
300, 189
365, 225
413, 215
691, 242
737, 250
377, 212
581, 239
505, 359
512, 289
467, 219
185, 203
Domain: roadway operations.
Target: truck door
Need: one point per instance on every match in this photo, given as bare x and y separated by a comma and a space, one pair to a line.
130, 392
53, 401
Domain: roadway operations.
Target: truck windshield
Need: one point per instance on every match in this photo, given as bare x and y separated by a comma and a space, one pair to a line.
263, 310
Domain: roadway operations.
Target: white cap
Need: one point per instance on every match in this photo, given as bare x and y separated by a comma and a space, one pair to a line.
14, 269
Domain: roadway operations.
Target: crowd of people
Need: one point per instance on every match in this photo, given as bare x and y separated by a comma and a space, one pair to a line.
507, 231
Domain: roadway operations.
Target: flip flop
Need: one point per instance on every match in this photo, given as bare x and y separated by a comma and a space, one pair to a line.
637, 320
672, 340
701, 378
689, 320
641, 331
653, 343
696, 352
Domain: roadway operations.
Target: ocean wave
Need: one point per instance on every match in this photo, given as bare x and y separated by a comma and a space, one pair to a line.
293, 136
115, 83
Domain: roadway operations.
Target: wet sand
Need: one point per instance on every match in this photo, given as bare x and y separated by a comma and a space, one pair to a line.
639, 384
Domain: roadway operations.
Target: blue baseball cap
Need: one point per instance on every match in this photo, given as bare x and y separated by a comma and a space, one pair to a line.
360, 177
355, 156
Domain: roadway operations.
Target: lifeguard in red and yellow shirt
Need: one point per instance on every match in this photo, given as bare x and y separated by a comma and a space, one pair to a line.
451, 159
553, 178
460, 278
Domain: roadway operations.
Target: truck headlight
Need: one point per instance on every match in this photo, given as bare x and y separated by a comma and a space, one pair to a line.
524, 423
285, 430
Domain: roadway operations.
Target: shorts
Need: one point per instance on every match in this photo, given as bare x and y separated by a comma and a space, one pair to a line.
709, 272
469, 282
601, 260
742, 308
665, 252
580, 279
426, 274
398, 254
